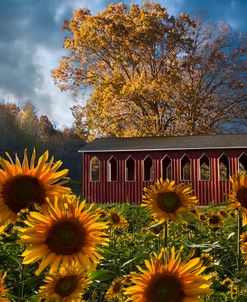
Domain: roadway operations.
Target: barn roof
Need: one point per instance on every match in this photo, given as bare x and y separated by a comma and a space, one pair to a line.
226, 141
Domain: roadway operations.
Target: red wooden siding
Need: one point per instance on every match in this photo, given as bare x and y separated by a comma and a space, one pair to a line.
121, 191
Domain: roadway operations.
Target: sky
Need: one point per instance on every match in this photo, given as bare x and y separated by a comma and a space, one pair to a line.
31, 45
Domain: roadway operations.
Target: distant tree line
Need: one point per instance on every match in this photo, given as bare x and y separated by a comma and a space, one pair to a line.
20, 128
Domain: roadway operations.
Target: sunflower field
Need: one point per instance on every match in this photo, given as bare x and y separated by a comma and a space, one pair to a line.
54, 246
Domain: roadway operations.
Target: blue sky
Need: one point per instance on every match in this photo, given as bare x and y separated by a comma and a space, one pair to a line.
31, 42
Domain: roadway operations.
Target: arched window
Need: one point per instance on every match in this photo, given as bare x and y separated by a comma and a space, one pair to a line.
112, 169
242, 163
166, 168
185, 168
204, 168
94, 169
223, 167
130, 169
148, 169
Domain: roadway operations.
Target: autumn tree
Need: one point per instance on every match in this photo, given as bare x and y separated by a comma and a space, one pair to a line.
28, 119
13, 137
8, 125
211, 95
152, 74
46, 129
21, 128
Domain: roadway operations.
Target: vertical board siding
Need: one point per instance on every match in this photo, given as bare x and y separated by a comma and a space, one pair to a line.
208, 191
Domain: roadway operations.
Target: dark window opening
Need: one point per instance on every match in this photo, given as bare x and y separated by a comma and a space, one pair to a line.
243, 163
95, 169
166, 168
112, 169
148, 169
130, 169
185, 168
223, 168
204, 168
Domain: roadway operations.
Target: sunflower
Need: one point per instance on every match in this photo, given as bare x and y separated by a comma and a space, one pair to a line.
3, 232
194, 211
202, 217
69, 284
214, 220
243, 248
238, 195
234, 292
3, 290
243, 238
227, 282
222, 213
232, 214
102, 213
116, 219
207, 259
63, 233
167, 279
23, 184
167, 201
115, 291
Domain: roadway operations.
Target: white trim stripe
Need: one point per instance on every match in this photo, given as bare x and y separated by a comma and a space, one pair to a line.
161, 149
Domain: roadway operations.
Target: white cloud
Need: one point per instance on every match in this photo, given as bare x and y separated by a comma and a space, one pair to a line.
59, 102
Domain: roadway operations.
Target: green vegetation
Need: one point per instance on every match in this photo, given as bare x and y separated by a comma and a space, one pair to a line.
129, 247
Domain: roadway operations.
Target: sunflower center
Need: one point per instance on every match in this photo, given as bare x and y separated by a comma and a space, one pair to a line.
168, 201
164, 288
202, 217
116, 287
66, 237
20, 191
66, 286
115, 218
242, 196
214, 219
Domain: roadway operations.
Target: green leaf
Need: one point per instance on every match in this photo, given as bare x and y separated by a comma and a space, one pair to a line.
242, 299
136, 259
34, 298
107, 251
102, 275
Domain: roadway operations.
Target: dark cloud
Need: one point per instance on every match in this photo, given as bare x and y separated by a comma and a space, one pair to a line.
232, 12
32, 21
228, 11
18, 72
27, 25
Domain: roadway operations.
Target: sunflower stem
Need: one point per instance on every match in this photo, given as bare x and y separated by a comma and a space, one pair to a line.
166, 234
239, 259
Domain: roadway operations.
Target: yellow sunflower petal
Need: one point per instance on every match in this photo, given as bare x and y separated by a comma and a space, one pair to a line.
168, 280
69, 284
23, 184
69, 234
166, 201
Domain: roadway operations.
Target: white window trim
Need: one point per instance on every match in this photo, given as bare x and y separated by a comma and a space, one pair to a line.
218, 164
243, 153
90, 171
181, 174
199, 168
161, 167
143, 168
109, 170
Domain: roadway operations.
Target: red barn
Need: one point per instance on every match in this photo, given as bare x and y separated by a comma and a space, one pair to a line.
115, 170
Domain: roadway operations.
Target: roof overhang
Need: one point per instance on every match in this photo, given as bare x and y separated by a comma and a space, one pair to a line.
161, 149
